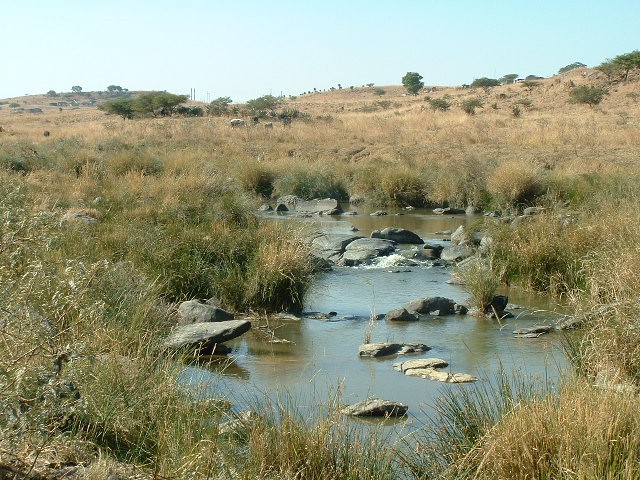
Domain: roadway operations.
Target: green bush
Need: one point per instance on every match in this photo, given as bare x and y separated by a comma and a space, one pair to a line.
309, 184
589, 95
469, 106
439, 104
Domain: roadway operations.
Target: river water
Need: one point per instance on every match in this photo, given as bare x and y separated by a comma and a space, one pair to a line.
320, 359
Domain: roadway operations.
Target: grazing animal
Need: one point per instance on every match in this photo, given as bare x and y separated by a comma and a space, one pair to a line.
46, 133
238, 122
268, 125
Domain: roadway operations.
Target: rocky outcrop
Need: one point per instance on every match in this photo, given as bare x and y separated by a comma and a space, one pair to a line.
398, 235
420, 363
192, 311
292, 203
376, 407
388, 348
364, 250
204, 337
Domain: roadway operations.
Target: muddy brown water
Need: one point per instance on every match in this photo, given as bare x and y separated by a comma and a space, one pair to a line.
320, 359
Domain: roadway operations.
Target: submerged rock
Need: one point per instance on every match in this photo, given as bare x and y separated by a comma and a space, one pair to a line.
376, 407
420, 363
389, 348
533, 332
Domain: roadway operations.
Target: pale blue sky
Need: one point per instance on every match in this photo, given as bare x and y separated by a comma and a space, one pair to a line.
245, 48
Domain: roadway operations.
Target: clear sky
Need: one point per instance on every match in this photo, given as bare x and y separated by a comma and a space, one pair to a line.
247, 48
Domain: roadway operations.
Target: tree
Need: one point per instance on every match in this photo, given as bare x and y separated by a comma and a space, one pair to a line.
52, 93
509, 78
589, 95
114, 89
124, 108
571, 66
260, 105
412, 81
219, 106
485, 82
627, 62
76, 89
158, 104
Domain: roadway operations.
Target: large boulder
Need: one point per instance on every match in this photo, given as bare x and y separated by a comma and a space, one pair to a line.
324, 206
364, 250
192, 311
455, 253
203, 337
398, 235
331, 246
376, 407
401, 315
389, 348
436, 306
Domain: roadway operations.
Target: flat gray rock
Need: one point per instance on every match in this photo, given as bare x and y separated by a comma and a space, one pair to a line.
533, 332
389, 348
420, 363
192, 311
445, 377
332, 246
205, 336
455, 253
376, 407
320, 206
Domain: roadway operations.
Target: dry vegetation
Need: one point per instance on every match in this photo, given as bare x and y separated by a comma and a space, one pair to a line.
173, 199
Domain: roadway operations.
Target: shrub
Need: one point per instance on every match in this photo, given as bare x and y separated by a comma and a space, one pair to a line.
515, 183
469, 106
589, 95
257, 178
309, 185
439, 104
485, 82
481, 279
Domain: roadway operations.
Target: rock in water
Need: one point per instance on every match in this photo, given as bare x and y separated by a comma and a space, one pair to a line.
401, 315
386, 349
376, 407
398, 235
192, 311
203, 337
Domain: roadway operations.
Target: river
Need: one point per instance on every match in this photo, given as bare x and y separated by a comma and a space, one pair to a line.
320, 359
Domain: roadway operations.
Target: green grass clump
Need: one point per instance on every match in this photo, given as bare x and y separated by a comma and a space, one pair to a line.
481, 279
309, 184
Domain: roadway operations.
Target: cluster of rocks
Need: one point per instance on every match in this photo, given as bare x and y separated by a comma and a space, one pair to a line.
352, 250
203, 328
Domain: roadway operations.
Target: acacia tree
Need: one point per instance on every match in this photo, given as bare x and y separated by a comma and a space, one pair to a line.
158, 104
124, 108
485, 82
571, 66
509, 78
219, 106
412, 81
260, 105
621, 65
76, 89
